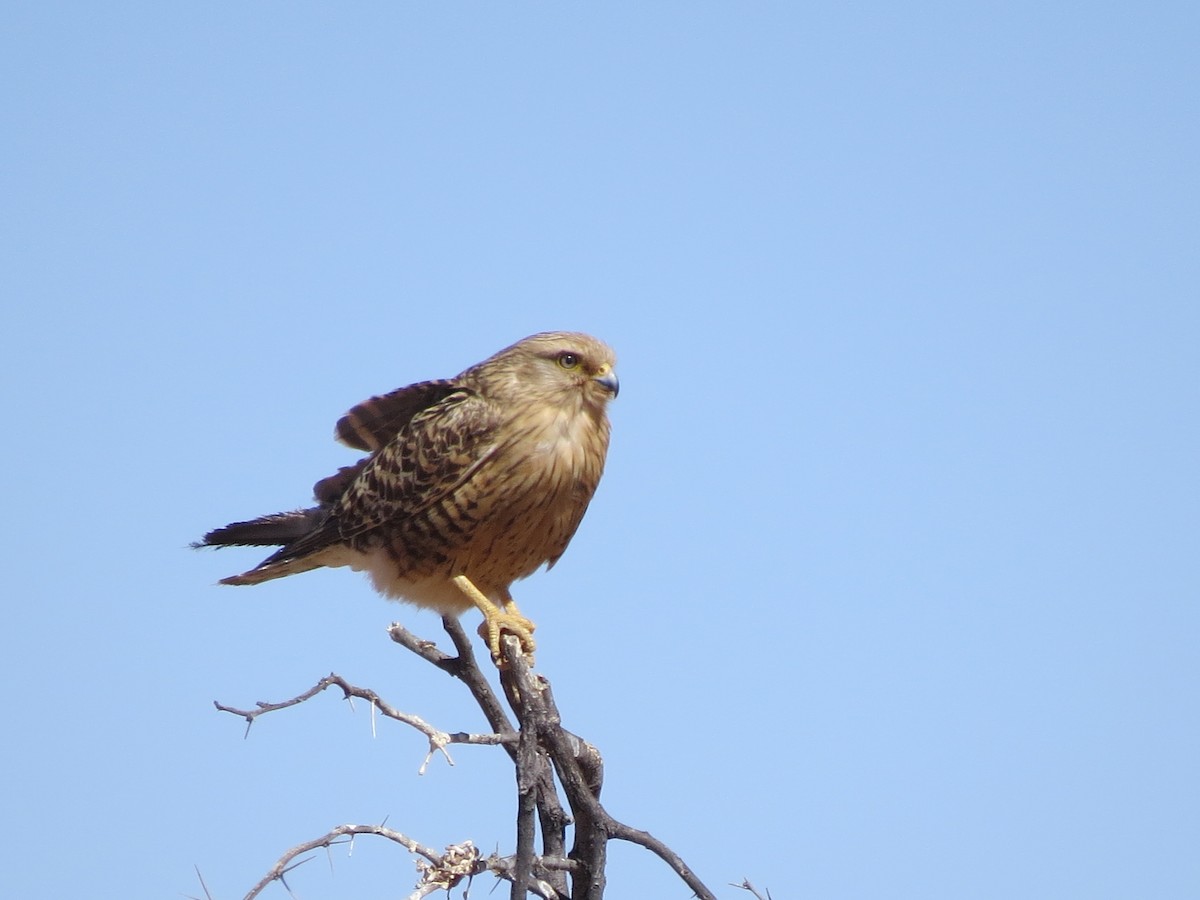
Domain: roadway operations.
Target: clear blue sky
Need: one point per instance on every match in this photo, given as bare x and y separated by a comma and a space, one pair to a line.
890, 589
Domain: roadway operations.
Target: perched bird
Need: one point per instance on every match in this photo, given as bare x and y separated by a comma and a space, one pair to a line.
470, 483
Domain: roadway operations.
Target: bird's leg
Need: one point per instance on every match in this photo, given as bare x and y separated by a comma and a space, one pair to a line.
497, 619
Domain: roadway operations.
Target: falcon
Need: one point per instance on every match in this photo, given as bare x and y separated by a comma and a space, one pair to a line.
470, 483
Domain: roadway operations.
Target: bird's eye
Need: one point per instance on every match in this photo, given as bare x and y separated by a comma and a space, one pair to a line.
568, 360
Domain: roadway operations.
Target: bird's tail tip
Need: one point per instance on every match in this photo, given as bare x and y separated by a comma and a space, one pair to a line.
274, 530
244, 578
271, 568
295, 531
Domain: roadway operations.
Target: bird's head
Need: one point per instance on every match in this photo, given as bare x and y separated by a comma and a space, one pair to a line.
560, 365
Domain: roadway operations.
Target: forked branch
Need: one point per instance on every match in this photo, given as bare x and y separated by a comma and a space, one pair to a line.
437, 738
546, 758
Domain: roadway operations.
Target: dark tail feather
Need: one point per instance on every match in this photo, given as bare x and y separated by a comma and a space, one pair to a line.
268, 570
287, 529
267, 531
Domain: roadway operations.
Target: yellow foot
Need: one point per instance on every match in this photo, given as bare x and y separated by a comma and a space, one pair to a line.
497, 620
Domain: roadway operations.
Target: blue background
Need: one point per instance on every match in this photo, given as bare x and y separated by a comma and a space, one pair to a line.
890, 589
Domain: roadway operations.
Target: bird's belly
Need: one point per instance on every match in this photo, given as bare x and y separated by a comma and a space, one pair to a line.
431, 590
499, 550
509, 523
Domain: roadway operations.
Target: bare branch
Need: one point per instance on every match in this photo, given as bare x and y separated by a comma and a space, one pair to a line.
545, 755
438, 871
551, 815
580, 771
623, 832
527, 766
282, 865
543, 868
747, 886
426, 649
463, 667
203, 886
437, 739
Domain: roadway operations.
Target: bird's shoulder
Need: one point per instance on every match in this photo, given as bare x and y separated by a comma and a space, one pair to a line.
372, 424
436, 450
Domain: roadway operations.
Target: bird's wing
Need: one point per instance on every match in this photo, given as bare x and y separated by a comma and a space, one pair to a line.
433, 455
373, 423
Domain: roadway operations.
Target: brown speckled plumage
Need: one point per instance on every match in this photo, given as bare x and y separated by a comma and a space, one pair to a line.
486, 475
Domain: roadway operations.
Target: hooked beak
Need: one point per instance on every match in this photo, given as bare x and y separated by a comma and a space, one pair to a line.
608, 380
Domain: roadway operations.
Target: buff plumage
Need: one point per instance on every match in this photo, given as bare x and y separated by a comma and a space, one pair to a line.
483, 477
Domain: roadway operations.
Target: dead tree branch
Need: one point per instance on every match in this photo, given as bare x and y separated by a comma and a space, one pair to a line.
747, 886
547, 759
437, 738
284, 864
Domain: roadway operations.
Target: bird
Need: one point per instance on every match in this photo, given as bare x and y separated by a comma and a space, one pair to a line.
469, 484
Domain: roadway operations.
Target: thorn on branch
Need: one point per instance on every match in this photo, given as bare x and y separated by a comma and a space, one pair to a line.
541, 750
338, 835
438, 739
747, 886
203, 886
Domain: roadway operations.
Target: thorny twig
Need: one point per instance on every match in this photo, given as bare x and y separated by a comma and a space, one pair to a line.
747, 886
437, 739
545, 756
282, 867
